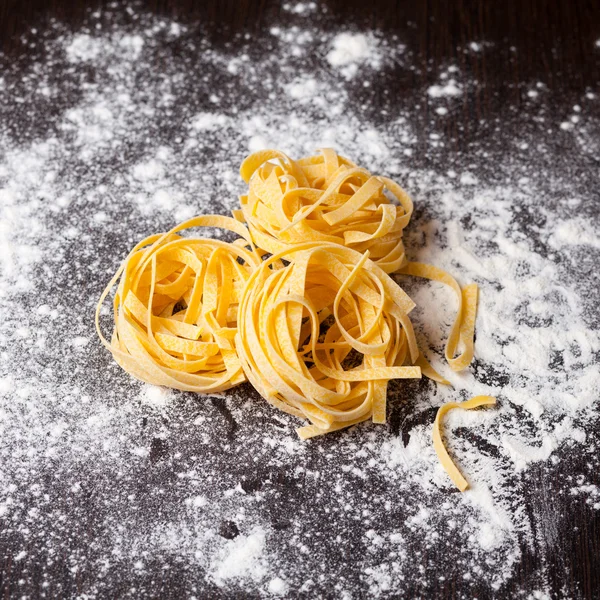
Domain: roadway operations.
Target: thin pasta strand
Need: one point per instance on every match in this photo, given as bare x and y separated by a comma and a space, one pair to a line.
463, 328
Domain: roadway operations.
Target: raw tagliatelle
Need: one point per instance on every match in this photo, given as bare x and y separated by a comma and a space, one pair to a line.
463, 328
175, 308
321, 331
327, 198
302, 305
323, 198
459, 481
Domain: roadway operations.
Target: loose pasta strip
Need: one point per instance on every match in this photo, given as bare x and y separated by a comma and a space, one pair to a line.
321, 331
323, 198
459, 481
463, 328
175, 308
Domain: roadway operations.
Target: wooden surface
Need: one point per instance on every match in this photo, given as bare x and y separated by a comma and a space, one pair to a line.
555, 39
556, 44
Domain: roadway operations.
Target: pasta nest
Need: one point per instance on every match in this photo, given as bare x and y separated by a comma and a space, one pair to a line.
323, 198
175, 308
307, 315
301, 305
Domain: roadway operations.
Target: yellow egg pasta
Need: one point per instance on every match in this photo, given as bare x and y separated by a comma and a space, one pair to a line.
327, 198
463, 328
302, 305
324, 198
175, 308
459, 481
321, 331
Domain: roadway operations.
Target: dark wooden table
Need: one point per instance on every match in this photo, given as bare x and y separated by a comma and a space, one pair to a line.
556, 42
555, 39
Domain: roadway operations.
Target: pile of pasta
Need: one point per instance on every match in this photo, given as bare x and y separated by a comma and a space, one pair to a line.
323, 198
306, 312
301, 304
175, 308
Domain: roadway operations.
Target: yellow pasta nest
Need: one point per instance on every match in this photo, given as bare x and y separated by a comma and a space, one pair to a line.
318, 327
307, 312
175, 308
323, 198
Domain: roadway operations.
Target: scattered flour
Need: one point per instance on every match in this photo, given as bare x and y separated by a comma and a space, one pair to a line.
449, 85
155, 396
590, 491
300, 8
218, 490
243, 557
351, 50
83, 48
575, 232
278, 587
447, 90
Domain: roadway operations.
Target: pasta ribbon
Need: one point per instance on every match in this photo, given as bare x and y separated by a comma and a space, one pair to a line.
322, 329
463, 328
323, 198
175, 308
459, 481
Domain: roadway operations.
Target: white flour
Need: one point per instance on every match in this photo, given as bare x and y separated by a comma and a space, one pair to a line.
349, 51
448, 87
135, 148
243, 557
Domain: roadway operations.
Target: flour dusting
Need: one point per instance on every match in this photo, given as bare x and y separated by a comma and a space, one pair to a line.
149, 123
350, 51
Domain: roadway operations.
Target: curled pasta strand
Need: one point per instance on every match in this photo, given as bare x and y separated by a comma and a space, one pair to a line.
463, 328
459, 481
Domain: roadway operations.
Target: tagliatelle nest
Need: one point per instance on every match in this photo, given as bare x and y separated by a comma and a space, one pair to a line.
323, 198
303, 313
176, 306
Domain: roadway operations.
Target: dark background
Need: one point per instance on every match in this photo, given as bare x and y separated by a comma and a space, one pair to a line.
555, 38
556, 42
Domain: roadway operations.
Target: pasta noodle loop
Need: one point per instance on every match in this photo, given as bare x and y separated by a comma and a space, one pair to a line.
321, 331
463, 328
459, 481
323, 198
175, 308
